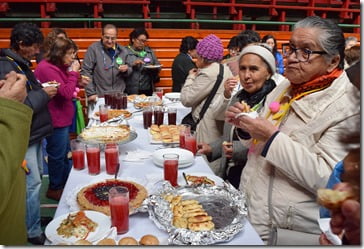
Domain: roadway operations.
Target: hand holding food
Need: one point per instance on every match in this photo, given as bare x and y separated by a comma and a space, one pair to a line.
333, 199
13, 87
123, 68
246, 107
229, 86
85, 80
228, 149
204, 148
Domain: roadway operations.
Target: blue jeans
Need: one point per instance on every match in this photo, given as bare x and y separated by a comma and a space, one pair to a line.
34, 158
58, 164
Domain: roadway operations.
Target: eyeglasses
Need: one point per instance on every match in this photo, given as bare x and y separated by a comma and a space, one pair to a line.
141, 41
302, 54
109, 38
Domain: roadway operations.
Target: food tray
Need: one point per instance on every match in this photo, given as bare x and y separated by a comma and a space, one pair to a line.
71, 198
97, 117
224, 203
133, 135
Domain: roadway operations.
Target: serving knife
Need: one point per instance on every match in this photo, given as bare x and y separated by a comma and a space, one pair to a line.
117, 170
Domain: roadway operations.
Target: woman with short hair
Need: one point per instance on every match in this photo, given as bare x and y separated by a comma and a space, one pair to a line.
183, 62
139, 56
59, 66
295, 142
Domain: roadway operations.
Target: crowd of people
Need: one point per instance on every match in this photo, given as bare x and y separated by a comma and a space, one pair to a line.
304, 106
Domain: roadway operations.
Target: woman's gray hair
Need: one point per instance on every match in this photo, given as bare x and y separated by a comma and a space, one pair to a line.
330, 38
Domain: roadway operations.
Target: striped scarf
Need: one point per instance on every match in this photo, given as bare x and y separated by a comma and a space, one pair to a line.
319, 83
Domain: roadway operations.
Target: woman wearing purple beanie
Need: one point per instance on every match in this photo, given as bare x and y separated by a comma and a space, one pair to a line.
198, 86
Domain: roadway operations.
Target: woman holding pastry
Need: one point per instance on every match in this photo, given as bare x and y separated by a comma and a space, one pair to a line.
256, 67
295, 142
60, 66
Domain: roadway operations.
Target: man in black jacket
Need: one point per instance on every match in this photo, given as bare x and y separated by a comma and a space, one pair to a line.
25, 41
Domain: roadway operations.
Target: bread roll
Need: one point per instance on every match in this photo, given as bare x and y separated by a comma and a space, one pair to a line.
149, 240
82, 242
106, 242
333, 199
128, 241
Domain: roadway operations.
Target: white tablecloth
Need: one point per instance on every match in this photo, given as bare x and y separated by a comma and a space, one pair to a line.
142, 171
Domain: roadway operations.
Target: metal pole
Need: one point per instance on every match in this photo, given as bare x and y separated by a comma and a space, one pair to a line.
84, 19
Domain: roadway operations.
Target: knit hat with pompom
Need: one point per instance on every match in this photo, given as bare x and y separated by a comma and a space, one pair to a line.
210, 48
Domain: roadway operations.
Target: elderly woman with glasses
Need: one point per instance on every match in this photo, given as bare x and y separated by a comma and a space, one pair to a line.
144, 62
295, 142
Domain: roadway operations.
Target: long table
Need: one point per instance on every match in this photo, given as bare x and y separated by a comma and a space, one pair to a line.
144, 171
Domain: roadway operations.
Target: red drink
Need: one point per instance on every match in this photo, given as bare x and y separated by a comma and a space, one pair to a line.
158, 117
172, 116
182, 140
171, 171
113, 101
119, 207
147, 118
190, 144
112, 159
103, 117
108, 98
160, 94
93, 160
119, 101
78, 158
124, 101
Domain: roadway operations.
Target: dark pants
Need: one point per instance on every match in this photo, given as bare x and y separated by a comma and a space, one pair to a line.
58, 164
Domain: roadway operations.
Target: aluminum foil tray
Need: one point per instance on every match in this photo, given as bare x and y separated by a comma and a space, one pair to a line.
225, 204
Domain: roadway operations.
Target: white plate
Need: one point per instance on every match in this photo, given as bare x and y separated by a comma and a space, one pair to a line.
173, 96
47, 84
103, 221
153, 66
218, 181
186, 157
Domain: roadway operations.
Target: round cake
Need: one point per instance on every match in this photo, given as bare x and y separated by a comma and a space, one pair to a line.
95, 196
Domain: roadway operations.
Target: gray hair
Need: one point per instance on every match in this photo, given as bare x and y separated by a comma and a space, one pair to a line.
331, 38
349, 39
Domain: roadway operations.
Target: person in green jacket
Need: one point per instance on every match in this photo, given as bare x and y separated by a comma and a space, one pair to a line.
15, 120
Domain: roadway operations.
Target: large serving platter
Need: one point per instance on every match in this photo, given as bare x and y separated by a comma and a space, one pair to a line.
71, 198
97, 117
224, 203
132, 136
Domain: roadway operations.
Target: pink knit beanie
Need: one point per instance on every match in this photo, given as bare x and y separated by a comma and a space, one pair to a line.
210, 48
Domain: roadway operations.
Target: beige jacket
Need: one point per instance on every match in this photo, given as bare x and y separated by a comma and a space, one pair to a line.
301, 156
194, 94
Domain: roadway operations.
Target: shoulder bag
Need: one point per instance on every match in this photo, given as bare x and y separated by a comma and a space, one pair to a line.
188, 119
